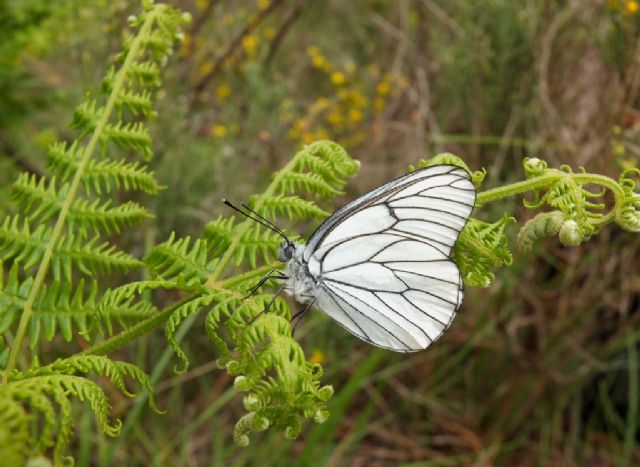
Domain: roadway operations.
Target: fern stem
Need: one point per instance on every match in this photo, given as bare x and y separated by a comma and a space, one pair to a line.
75, 184
137, 330
542, 181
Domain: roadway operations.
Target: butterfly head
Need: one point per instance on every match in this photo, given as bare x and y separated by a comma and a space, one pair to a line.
286, 251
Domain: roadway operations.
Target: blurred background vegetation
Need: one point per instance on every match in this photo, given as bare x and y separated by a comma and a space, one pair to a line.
539, 369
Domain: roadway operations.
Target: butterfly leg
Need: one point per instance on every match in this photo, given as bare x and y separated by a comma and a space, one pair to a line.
301, 313
266, 308
273, 274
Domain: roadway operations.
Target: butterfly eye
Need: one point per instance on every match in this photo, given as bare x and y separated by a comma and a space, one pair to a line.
285, 252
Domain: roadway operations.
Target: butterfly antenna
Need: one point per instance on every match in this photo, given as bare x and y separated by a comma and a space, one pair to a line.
259, 219
273, 226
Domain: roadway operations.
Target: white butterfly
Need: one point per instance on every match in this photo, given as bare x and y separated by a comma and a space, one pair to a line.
380, 266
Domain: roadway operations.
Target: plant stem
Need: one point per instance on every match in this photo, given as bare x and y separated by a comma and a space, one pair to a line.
542, 181
513, 189
75, 184
135, 331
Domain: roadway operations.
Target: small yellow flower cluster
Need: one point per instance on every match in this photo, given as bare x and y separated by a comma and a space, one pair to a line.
626, 7
218, 131
342, 114
250, 44
317, 356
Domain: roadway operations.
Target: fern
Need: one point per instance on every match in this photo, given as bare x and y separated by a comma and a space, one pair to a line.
102, 176
256, 347
44, 394
58, 243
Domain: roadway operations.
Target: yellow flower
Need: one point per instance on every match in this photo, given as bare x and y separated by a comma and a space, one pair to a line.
338, 78
264, 4
250, 44
383, 88
355, 116
269, 32
205, 68
632, 7
335, 118
320, 104
218, 131
223, 91
202, 4
317, 356
318, 61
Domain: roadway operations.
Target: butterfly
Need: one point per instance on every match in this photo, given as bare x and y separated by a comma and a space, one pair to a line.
380, 266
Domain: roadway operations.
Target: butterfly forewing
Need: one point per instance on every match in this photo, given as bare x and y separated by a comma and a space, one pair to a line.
382, 262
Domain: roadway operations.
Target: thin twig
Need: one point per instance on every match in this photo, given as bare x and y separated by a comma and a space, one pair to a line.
231, 47
285, 27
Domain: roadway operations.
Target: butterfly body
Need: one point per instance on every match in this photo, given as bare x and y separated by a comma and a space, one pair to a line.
381, 267
300, 283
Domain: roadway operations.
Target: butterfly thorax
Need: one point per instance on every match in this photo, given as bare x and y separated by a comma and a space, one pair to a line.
300, 283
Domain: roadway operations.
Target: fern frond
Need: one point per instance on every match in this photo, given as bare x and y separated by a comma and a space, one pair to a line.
312, 183
20, 243
104, 175
45, 393
123, 304
50, 233
137, 103
146, 74
480, 248
130, 136
62, 307
44, 202
15, 431
252, 244
190, 308
86, 116
291, 207
174, 257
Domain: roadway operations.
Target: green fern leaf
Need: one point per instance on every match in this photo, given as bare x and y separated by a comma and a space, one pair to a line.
130, 136
104, 175
291, 207
174, 257
293, 182
63, 307
146, 74
45, 202
137, 103
190, 308
15, 432
20, 243
86, 116
480, 248
252, 243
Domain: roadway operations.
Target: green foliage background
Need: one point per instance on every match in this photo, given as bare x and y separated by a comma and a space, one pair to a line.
541, 365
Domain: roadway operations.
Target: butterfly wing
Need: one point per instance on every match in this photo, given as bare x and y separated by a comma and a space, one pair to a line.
382, 262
